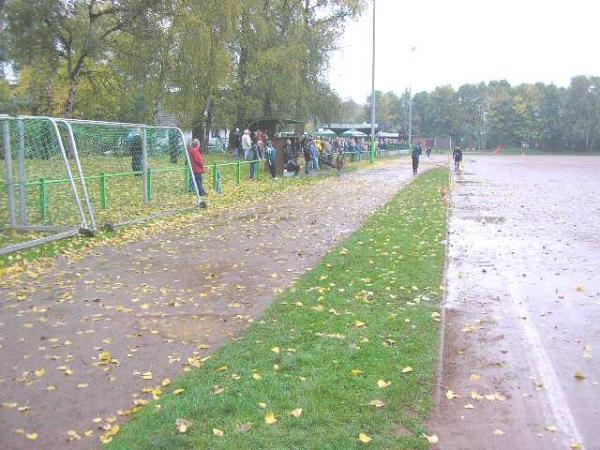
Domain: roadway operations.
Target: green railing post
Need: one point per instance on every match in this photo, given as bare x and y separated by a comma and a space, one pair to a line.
149, 183
372, 155
43, 200
214, 176
103, 192
238, 173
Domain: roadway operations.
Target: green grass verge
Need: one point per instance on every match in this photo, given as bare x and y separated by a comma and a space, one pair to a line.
370, 305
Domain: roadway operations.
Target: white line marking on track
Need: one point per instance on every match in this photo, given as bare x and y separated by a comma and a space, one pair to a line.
539, 362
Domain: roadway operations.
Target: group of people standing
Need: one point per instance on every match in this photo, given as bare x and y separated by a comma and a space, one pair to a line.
254, 147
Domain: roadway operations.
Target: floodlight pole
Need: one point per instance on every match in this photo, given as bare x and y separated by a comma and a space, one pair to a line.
410, 115
410, 102
372, 155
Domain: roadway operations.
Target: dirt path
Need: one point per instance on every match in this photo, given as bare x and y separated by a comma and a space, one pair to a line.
523, 306
101, 330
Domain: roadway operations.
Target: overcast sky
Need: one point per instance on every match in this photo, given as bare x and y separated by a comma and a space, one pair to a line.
467, 41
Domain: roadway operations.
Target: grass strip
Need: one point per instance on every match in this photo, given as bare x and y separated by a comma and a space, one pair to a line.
353, 343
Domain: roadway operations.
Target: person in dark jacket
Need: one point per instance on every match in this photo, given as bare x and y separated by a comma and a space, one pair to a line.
271, 158
457, 156
134, 144
416, 153
197, 161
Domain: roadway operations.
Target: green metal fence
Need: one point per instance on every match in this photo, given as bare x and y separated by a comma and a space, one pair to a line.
60, 174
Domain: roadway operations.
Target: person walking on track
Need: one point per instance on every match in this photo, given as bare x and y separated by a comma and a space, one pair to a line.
416, 153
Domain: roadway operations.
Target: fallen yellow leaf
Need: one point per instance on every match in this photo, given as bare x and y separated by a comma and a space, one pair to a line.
450, 395
270, 418
40, 372
364, 438
178, 391
356, 372
407, 369
217, 432
104, 357
579, 375
296, 412
377, 403
383, 384
244, 427
182, 425
433, 439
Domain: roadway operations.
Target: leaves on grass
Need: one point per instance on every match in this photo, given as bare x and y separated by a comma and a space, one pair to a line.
243, 427
377, 403
270, 418
296, 412
364, 438
183, 425
382, 384
217, 432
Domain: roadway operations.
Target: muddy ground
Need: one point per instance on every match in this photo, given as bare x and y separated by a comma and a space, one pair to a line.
522, 337
82, 340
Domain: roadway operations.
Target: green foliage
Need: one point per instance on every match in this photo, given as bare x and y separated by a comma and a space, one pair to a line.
201, 60
545, 117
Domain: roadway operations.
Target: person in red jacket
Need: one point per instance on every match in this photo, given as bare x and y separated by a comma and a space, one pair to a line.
197, 161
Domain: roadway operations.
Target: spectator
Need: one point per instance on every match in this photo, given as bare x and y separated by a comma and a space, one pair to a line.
246, 145
271, 158
307, 157
134, 144
339, 163
235, 142
292, 166
314, 155
256, 155
197, 161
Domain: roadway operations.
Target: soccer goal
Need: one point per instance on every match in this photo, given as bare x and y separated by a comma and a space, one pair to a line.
60, 176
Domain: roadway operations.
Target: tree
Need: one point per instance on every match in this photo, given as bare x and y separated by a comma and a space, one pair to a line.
51, 34
582, 113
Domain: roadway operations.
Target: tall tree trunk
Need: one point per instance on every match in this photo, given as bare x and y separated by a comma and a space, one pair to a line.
73, 83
